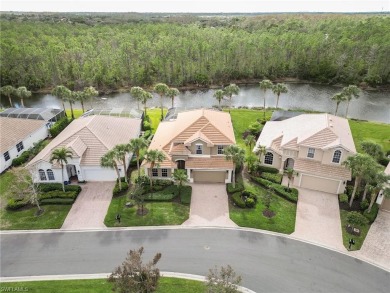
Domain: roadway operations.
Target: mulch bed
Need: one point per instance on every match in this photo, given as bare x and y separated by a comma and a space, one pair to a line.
143, 212
268, 214
39, 212
355, 206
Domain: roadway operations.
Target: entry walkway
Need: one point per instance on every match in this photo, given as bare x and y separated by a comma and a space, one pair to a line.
209, 206
91, 206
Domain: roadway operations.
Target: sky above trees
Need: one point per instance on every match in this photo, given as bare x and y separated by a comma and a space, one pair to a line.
196, 6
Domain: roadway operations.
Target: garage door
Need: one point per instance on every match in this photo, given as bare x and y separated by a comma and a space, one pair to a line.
320, 184
209, 176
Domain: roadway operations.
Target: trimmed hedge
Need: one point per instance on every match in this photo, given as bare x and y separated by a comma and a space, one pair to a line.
280, 190
59, 126
372, 215
276, 178
343, 198
186, 192
356, 218
237, 200
46, 187
59, 194
63, 201
162, 182
166, 194
23, 158
116, 191
261, 168
230, 189
15, 204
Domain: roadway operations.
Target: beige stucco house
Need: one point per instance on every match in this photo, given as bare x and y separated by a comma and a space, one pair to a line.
194, 141
314, 145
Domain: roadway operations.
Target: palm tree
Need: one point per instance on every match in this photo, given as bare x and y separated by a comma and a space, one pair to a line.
71, 98
137, 92
135, 146
61, 92
379, 183
144, 98
229, 91
369, 177
61, 156
109, 160
251, 160
90, 92
373, 149
9, 91
289, 172
351, 91
338, 98
23, 93
154, 157
172, 93
279, 88
79, 96
161, 89
265, 85
121, 151
249, 141
180, 177
219, 94
261, 150
235, 154
358, 164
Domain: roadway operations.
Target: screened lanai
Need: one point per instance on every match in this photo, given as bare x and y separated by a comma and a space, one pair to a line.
47, 114
118, 112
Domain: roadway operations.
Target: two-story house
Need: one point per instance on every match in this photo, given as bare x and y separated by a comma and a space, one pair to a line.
314, 145
194, 141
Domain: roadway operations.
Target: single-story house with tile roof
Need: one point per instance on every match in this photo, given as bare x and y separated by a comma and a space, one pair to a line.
194, 141
382, 200
88, 138
17, 136
314, 145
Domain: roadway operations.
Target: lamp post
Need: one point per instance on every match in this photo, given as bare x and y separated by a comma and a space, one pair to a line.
351, 242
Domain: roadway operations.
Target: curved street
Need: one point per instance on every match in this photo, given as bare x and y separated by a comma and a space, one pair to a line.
267, 262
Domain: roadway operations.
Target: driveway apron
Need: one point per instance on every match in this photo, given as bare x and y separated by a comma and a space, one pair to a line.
318, 219
91, 206
209, 206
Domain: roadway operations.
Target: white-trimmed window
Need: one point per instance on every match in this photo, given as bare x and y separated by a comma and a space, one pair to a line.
220, 150
336, 157
42, 175
155, 172
269, 158
50, 174
311, 152
199, 149
164, 172
6, 156
20, 146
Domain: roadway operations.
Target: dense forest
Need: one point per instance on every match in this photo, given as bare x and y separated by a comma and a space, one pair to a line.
109, 52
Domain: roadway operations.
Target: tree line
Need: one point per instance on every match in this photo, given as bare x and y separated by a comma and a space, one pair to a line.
349, 49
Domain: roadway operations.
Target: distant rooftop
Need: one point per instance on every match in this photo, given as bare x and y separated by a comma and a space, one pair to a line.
283, 115
117, 112
47, 114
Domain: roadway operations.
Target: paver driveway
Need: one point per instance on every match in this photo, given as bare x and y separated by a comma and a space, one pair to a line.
318, 219
209, 206
91, 206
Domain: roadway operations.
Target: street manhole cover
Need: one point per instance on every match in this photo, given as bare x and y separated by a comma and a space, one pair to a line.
206, 247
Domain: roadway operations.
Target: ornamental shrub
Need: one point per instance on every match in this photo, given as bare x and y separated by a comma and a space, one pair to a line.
250, 203
23, 158
59, 126
116, 191
371, 216
273, 177
364, 204
343, 198
356, 218
15, 204
261, 168
237, 188
237, 200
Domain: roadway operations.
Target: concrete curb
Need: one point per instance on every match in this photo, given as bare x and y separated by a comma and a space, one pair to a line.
104, 276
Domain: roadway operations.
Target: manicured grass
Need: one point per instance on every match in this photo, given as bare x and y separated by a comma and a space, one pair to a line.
346, 236
76, 112
52, 218
282, 222
160, 213
155, 117
166, 285
6, 179
372, 131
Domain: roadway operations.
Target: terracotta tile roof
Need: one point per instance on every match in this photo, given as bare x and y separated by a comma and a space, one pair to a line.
209, 163
276, 145
77, 146
15, 130
292, 144
98, 133
179, 149
198, 135
316, 168
320, 139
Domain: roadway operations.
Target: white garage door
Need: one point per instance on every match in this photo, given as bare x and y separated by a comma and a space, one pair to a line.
99, 174
320, 184
209, 176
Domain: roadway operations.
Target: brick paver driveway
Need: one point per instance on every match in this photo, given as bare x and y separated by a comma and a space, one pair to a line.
318, 219
91, 206
209, 206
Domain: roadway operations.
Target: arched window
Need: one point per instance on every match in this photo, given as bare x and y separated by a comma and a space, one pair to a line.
269, 158
42, 175
50, 174
336, 156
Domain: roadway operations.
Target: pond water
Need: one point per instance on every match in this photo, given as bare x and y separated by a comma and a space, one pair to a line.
374, 106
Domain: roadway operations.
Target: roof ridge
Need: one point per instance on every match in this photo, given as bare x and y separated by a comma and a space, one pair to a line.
218, 131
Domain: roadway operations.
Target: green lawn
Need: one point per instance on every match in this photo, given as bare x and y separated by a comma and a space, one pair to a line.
282, 222
155, 117
76, 112
52, 218
346, 236
166, 285
373, 131
6, 180
160, 213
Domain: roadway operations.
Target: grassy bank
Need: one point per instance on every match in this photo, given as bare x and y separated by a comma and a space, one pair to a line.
372, 131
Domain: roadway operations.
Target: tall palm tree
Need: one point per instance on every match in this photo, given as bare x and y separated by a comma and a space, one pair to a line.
9, 91
71, 98
135, 146
109, 160
251, 159
358, 164
249, 141
121, 151
265, 85
369, 177
154, 157
278, 89
229, 91
379, 183
22, 93
136, 92
90, 92
338, 98
61, 92
350, 92
79, 96
289, 172
61, 156
373, 149
180, 177
219, 94
144, 98
237, 155
161, 89
172, 93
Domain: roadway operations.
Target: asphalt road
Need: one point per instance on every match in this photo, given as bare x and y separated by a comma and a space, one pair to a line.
267, 263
